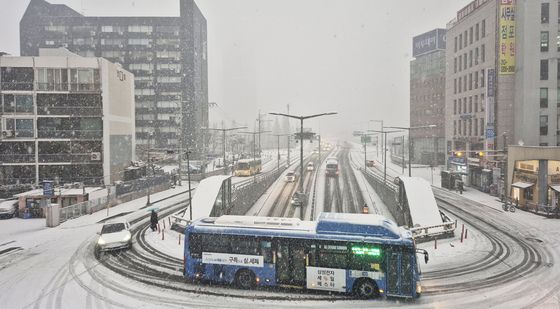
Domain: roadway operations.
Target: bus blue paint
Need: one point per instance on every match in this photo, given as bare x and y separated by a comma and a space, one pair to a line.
280, 251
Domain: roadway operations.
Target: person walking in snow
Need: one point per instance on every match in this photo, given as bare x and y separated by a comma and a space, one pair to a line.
154, 220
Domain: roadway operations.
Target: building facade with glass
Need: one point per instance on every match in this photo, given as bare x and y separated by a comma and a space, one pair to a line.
64, 117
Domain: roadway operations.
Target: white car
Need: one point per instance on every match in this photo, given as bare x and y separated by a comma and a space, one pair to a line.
290, 177
310, 166
114, 235
8, 208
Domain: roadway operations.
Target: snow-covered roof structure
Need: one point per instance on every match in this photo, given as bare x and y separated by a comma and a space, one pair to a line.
424, 210
205, 197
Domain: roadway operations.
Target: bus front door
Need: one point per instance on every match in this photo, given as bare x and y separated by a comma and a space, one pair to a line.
400, 274
290, 263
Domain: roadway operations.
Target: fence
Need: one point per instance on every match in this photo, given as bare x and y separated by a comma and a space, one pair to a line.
122, 192
246, 194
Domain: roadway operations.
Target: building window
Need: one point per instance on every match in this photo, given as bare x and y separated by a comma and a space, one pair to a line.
544, 69
481, 122
52, 79
476, 80
544, 98
454, 107
544, 41
455, 44
459, 131
482, 79
482, 102
142, 42
470, 58
460, 85
476, 55
454, 86
465, 83
460, 41
470, 127
543, 125
460, 107
470, 81
475, 126
465, 38
465, 61
140, 28
558, 99
471, 35
477, 32
84, 79
455, 65
470, 104
482, 53
483, 28
454, 127
545, 12
107, 29
460, 62
476, 104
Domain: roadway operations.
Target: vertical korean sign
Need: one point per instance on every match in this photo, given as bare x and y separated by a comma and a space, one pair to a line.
490, 116
506, 59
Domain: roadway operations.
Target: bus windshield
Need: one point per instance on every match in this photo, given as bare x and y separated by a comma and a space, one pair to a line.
242, 166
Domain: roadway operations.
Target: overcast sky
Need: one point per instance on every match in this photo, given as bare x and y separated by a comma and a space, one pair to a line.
349, 56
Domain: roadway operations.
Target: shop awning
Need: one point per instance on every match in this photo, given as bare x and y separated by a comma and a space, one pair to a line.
522, 185
556, 188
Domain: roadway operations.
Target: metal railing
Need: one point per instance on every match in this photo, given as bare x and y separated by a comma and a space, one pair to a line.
84, 208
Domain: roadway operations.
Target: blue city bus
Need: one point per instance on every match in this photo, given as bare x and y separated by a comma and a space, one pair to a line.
366, 255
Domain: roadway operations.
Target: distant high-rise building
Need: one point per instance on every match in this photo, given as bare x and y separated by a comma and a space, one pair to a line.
427, 97
64, 117
168, 56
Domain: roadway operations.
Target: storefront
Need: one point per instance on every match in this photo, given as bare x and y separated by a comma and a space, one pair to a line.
31, 202
534, 176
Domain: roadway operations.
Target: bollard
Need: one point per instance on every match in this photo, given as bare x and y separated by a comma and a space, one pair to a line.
462, 232
435, 244
169, 220
164, 224
466, 233
158, 229
179, 239
162, 234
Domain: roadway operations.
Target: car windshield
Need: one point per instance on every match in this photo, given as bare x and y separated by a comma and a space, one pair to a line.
112, 228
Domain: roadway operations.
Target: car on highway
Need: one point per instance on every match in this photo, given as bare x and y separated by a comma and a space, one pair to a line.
114, 235
310, 166
8, 208
290, 177
297, 199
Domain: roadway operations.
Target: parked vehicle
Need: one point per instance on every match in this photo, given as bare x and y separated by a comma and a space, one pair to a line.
8, 208
114, 235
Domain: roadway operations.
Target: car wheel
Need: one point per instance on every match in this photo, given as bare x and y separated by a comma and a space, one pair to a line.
245, 279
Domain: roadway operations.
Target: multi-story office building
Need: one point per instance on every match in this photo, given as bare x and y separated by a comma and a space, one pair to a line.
427, 97
64, 117
479, 90
167, 55
501, 90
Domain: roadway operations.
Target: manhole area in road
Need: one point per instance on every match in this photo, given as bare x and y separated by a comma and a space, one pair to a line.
534, 239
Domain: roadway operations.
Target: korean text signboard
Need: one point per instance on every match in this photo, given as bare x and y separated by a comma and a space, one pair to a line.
490, 115
48, 188
328, 279
506, 59
233, 259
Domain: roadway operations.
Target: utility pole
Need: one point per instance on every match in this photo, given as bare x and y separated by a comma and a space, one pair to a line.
384, 149
189, 181
505, 167
148, 203
288, 136
278, 143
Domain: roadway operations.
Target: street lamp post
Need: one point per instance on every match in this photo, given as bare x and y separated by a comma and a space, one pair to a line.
148, 203
301, 119
410, 144
224, 130
189, 181
278, 136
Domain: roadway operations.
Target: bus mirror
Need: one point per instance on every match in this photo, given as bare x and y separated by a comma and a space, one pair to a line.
426, 257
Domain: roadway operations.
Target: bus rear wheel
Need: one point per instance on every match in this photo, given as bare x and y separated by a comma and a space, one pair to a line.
245, 279
366, 289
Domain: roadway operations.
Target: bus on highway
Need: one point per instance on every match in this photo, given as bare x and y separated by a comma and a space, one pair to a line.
332, 167
248, 167
365, 255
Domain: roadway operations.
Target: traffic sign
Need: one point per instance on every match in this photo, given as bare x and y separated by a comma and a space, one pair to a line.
366, 139
48, 188
490, 133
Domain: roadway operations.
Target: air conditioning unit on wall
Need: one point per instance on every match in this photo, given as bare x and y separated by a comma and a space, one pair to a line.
96, 156
7, 133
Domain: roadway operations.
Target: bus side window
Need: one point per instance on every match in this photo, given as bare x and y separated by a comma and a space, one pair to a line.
266, 250
244, 245
333, 255
195, 245
216, 243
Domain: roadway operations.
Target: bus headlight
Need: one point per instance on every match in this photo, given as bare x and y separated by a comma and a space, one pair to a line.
100, 241
418, 288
